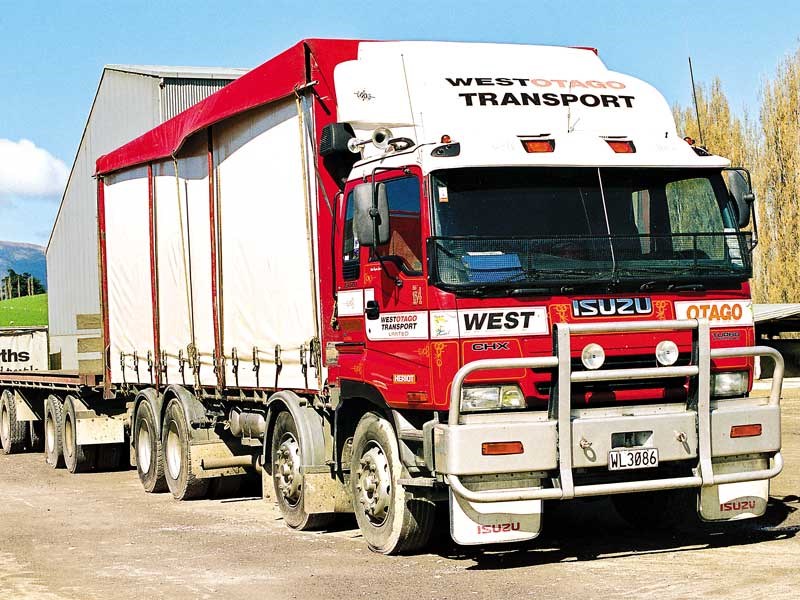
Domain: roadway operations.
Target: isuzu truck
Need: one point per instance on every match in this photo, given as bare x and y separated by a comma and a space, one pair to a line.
388, 275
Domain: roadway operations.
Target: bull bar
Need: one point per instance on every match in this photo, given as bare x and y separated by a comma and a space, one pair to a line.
701, 369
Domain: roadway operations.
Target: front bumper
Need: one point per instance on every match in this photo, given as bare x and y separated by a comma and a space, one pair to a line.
564, 440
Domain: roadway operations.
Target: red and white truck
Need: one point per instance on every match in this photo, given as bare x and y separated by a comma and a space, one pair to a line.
395, 274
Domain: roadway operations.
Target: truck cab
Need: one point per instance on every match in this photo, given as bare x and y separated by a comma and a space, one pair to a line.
546, 285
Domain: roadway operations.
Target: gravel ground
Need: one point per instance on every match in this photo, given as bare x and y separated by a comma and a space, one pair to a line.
98, 536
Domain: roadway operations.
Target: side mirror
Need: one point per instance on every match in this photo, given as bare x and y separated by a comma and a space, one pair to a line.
371, 215
738, 181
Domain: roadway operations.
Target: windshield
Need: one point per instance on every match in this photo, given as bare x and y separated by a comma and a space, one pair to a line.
555, 226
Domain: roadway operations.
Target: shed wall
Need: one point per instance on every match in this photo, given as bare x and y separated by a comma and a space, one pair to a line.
126, 105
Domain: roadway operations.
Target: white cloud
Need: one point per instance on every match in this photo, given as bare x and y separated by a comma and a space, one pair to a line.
27, 170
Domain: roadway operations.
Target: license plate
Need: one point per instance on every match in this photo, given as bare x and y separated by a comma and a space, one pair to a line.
622, 459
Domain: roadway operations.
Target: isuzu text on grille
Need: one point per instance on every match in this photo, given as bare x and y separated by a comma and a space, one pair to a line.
611, 306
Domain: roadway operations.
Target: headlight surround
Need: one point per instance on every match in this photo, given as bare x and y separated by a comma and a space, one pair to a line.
491, 397
729, 383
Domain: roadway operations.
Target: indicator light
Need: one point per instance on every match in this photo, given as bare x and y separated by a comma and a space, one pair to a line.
501, 448
741, 431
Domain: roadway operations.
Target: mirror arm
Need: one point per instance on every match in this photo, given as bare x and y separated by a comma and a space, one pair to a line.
754, 218
373, 213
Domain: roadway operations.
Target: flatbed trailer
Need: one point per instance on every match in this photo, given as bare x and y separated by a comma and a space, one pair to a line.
387, 275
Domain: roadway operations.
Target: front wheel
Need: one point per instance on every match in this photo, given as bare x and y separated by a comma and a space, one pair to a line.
286, 460
391, 519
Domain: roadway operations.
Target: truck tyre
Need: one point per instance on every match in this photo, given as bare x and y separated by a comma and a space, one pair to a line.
286, 460
149, 457
77, 458
391, 519
12, 432
53, 433
176, 444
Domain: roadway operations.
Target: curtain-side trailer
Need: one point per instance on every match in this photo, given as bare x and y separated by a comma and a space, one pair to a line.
393, 274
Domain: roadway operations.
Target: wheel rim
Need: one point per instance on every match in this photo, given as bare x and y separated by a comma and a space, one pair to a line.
143, 452
68, 437
50, 433
5, 423
374, 484
173, 452
287, 469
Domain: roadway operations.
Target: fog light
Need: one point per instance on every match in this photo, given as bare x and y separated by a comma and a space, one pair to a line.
593, 356
667, 353
732, 383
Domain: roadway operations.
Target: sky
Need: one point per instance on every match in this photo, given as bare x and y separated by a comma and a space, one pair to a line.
52, 54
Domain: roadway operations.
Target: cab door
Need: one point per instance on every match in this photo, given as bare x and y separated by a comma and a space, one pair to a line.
392, 325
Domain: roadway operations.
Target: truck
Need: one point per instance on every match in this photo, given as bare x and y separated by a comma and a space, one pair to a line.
389, 276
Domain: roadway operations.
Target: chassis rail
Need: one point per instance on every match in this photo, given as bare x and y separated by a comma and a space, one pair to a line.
700, 400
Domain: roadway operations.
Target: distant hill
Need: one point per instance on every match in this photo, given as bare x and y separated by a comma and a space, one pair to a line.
23, 258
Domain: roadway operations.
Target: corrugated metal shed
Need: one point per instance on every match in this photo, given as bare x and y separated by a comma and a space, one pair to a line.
775, 312
130, 100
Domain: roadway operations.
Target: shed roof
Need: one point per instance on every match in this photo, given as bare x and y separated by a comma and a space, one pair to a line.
181, 72
775, 312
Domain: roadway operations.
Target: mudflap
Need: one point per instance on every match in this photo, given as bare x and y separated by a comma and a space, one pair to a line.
474, 523
735, 501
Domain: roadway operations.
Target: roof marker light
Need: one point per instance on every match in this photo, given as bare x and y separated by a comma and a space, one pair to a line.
622, 146
532, 146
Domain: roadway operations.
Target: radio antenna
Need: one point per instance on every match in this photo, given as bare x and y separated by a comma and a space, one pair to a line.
696, 106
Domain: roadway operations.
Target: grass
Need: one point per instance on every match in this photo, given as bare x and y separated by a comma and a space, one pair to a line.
23, 312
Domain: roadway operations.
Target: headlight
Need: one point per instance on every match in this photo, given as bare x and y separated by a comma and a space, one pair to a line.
732, 383
476, 398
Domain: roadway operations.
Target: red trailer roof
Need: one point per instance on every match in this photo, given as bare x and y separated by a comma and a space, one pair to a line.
277, 78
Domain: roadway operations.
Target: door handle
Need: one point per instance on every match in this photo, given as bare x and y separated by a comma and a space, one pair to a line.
372, 310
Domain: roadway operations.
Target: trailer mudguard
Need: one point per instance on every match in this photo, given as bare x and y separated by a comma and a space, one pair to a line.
195, 411
309, 427
156, 402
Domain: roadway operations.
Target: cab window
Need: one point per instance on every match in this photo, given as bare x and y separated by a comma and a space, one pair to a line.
405, 240
350, 264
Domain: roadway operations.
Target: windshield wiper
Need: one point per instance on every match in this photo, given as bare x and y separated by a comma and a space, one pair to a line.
539, 276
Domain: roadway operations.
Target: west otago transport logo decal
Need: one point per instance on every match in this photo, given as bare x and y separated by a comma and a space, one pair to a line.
590, 93
720, 313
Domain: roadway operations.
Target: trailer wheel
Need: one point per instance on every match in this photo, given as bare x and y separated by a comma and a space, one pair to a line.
390, 518
176, 443
287, 478
77, 458
149, 457
53, 433
12, 432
